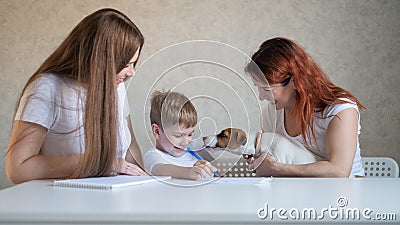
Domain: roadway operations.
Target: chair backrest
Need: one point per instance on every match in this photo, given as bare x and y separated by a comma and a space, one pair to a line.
380, 167
233, 167
373, 167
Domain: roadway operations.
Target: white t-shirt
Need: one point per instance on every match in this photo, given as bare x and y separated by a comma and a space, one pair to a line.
57, 104
321, 122
155, 156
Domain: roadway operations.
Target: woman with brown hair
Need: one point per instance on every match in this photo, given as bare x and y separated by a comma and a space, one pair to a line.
309, 109
70, 119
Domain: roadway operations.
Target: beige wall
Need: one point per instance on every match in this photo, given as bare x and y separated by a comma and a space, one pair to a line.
355, 42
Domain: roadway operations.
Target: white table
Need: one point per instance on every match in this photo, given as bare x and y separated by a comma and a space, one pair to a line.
37, 202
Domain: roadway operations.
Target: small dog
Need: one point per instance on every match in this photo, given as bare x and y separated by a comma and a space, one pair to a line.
281, 148
230, 139
234, 140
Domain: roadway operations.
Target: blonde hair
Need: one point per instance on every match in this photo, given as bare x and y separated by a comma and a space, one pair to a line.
92, 54
169, 108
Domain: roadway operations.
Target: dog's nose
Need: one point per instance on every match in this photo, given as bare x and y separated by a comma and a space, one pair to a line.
204, 138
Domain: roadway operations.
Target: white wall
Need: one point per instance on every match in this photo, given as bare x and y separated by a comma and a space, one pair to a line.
355, 42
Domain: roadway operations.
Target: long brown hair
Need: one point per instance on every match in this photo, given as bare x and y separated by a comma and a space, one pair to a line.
279, 59
92, 54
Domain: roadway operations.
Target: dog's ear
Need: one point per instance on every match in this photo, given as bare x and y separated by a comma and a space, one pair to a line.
242, 138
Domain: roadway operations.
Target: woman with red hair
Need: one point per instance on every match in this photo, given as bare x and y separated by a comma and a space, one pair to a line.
309, 109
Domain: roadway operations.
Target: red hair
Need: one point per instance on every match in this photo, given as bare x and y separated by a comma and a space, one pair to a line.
279, 59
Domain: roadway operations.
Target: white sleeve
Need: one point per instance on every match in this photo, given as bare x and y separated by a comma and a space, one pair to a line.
40, 101
152, 158
332, 111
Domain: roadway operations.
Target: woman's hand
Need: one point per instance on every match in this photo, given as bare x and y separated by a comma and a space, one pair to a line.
201, 169
125, 167
264, 165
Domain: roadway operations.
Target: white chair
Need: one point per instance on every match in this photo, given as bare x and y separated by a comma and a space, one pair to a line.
233, 167
380, 167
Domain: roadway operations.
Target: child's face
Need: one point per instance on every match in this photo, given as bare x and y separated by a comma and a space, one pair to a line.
174, 139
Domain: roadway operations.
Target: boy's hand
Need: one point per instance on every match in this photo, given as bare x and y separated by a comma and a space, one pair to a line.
201, 169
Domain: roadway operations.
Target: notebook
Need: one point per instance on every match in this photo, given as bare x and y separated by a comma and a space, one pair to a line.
108, 182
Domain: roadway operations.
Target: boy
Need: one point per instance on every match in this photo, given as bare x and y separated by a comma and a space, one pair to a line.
173, 118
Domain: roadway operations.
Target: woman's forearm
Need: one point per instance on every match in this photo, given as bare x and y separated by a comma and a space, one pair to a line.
317, 169
42, 167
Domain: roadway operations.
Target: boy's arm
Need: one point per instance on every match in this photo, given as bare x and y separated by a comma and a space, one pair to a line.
193, 173
172, 170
